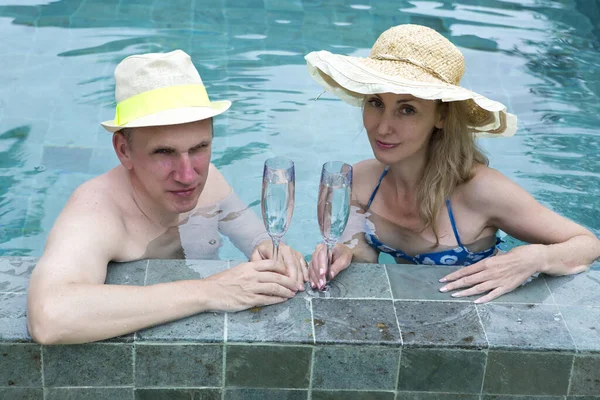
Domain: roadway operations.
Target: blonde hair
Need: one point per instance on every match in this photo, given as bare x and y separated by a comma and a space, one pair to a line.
451, 157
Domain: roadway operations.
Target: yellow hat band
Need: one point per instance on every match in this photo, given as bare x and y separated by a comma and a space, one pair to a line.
161, 99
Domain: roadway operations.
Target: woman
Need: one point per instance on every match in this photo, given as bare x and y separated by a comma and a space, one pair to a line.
428, 196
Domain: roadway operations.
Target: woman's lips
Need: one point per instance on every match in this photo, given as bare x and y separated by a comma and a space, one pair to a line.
386, 146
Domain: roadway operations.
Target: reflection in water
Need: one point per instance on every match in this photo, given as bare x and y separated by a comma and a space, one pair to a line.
537, 56
199, 235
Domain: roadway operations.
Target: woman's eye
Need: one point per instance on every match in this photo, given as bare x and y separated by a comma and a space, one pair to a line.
374, 103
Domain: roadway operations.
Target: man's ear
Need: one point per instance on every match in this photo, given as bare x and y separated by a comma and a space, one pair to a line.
122, 149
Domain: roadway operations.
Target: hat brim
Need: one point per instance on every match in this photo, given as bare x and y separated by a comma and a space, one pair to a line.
351, 78
173, 116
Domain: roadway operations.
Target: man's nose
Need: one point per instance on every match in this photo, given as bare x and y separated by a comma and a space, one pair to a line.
185, 173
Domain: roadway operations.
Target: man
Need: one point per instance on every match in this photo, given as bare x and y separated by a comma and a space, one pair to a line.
165, 186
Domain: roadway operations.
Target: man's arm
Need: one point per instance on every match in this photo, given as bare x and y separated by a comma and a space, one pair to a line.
69, 303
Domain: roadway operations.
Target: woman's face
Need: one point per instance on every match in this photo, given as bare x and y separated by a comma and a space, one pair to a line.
399, 126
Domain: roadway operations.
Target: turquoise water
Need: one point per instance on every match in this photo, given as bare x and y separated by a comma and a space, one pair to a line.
539, 57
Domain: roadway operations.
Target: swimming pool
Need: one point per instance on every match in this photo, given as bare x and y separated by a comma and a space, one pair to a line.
539, 57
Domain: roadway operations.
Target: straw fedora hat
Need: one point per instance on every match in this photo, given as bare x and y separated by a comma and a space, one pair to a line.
160, 89
410, 59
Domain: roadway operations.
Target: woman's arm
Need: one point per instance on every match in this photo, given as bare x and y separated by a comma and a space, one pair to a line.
558, 246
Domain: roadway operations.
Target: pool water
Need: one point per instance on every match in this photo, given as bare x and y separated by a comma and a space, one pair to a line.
539, 57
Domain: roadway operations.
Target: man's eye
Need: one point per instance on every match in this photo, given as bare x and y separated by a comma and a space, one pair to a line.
407, 110
163, 151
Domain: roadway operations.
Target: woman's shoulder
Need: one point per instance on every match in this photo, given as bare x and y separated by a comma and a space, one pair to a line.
486, 186
366, 170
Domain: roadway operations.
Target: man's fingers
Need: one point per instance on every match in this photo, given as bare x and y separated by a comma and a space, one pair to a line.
304, 267
275, 289
279, 279
263, 300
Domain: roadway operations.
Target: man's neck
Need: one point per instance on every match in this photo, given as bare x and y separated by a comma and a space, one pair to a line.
156, 214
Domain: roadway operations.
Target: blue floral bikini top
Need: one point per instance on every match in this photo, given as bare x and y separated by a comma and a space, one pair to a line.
457, 256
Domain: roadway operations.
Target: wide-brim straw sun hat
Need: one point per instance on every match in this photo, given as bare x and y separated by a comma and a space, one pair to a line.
415, 60
157, 89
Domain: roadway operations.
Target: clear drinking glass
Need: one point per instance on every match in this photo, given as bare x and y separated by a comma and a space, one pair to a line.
333, 207
277, 202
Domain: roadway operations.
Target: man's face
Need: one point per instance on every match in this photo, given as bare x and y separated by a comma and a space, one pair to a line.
170, 163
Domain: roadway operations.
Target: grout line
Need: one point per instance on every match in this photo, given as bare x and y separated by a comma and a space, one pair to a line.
571, 375
548, 287
146, 274
224, 362
398, 372
133, 364
395, 311
311, 374
312, 321
485, 351
42, 370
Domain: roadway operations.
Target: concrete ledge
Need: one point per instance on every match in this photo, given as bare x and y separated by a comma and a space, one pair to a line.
384, 332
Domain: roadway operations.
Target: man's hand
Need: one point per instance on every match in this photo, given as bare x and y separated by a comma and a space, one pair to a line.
295, 265
497, 275
341, 258
255, 283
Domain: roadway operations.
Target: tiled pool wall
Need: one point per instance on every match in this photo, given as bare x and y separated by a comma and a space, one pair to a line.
389, 335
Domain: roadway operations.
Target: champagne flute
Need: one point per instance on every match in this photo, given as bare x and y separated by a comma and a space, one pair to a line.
333, 207
277, 202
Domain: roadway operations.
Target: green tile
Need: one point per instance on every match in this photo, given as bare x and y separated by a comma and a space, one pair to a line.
527, 373
585, 378
11, 393
88, 365
355, 321
443, 324
130, 273
89, 394
506, 397
441, 370
268, 366
355, 367
366, 281
418, 282
13, 320
20, 365
435, 396
183, 365
160, 271
177, 394
15, 272
287, 322
351, 395
584, 325
208, 327
266, 394
525, 326
581, 289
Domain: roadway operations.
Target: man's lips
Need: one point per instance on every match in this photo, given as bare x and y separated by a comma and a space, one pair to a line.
183, 193
385, 145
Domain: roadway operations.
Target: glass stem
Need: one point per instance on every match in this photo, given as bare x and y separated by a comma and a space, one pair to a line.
329, 259
275, 249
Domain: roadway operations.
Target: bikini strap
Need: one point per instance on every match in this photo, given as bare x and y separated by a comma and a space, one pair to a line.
384, 173
451, 215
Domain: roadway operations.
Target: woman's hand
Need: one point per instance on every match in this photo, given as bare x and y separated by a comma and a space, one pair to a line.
295, 264
497, 275
341, 258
